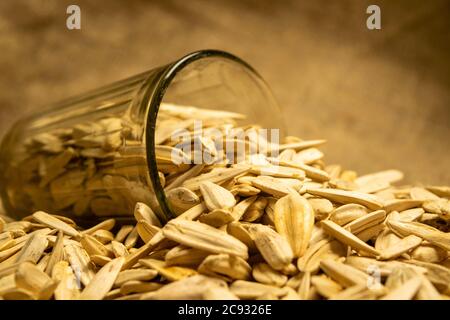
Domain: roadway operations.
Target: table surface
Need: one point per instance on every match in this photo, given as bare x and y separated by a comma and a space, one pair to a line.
381, 98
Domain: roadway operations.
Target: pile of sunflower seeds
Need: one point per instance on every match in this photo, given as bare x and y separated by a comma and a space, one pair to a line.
289, 227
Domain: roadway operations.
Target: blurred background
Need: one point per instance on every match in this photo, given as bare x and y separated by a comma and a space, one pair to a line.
381, 98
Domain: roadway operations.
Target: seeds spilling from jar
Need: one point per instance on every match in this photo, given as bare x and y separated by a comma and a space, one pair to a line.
277, 223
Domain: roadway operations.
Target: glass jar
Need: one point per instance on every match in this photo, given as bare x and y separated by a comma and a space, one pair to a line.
94, 156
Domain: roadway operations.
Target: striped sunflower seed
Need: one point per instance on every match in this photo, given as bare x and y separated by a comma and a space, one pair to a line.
203, 237
294, 220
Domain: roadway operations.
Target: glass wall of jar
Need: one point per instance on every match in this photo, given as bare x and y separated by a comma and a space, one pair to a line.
95, 156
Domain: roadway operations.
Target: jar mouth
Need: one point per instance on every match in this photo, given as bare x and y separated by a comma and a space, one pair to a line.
154, 98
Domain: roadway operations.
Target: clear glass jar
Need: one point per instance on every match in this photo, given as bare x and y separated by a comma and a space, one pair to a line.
94, 156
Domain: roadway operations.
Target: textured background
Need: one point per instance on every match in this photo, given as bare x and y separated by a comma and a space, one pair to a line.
381, 98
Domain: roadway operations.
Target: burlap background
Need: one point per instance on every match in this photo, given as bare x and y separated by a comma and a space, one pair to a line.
381, 98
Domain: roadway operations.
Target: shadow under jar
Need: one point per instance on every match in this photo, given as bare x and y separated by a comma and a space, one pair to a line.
94, 156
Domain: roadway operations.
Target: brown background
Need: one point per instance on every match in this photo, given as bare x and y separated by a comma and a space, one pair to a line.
381, 98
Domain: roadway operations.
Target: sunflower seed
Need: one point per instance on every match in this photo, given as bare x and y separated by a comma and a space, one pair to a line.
104, 225
401, 205
240, 209
407, 291
389, 176
427, 291
57, 253
215, 177
346, 213
322, 207
436, 237
119, 249
294, 220
357, 292
324, 249
411, 215
219, 293
255, 210
68, 288
272, 186
345, 197
437, 274
217, 218
100, 260
263, 273
440, 207
170, 273
418, 193
325, 286
182, 199
103, 281
347, 237
191, 288
184, 256
429, 253
103, 236
135, 286
80, 263
406, 244
123, 233
440, 191
93, 246
252, 290
273, 247
134, 274
33, 249
144, 212
345, 275
216, 197
366, 221
203, 237
278, 171
225, 266
307, 156
305, 286
55, 223
31, 278
146, 230
309, 171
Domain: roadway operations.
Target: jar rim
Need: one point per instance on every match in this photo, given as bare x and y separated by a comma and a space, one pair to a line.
157, 94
